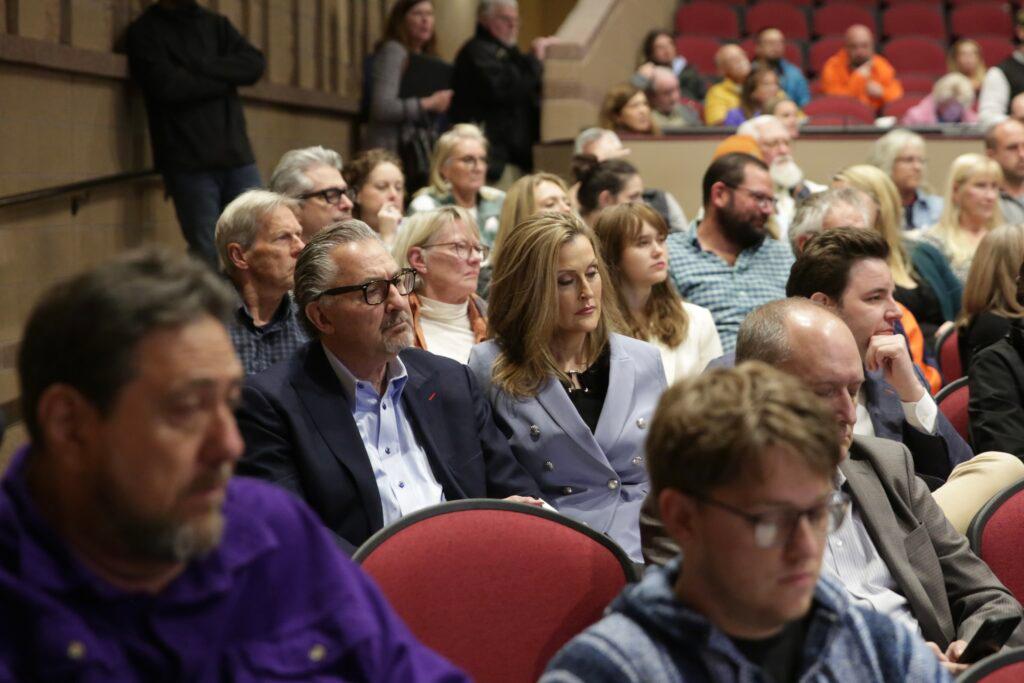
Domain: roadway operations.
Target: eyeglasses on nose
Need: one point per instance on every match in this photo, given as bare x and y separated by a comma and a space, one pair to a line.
765, 201
331, 195
463, 249
375, 292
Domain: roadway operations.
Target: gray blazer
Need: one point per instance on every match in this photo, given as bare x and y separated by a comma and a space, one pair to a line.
597, 478
389, 112
950, 590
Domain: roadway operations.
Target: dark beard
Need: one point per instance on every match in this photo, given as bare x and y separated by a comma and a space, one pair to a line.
774, 64
741, 230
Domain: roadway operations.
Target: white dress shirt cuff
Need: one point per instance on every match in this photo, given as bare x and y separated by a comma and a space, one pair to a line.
921, 414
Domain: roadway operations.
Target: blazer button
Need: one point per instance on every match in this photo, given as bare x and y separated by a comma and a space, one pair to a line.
76, 650
641, 423
566, 490
613, 484
534, 431
549, 466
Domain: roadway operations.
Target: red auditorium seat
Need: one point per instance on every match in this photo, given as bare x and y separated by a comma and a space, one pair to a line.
794, 52
834, 18
994, 49
921, 55
792, 21
948, 345
982, 17
699, 51
821, 50
850, 109
495, 587
916, 83
914, 19
952, 400
994, 535
708, 18
799, 3
1005, 667
900, 107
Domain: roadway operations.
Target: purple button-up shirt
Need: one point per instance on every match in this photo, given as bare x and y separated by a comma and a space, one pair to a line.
276, 600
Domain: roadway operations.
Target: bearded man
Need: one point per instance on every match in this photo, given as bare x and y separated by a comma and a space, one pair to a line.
728, 263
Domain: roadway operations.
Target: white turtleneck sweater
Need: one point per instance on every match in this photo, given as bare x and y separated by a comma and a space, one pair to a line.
446, 328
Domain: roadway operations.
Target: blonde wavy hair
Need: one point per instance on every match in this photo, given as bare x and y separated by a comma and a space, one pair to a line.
443, 150
979, 74
964, 169
523, 303
877, 184
992, 281
520, 203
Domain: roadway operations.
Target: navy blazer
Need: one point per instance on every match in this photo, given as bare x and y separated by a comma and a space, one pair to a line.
934, 454
300, 434
596, 477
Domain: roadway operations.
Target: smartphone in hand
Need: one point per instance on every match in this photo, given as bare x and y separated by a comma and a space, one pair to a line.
988, 639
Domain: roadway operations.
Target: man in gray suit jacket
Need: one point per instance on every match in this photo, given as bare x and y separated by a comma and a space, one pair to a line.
896, 552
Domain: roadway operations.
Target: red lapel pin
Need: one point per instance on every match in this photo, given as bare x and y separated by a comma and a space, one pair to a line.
432, 395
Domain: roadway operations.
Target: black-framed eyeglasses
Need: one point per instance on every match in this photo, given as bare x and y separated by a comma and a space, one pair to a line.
463, 249
763, 200
775, 528
331, 195
376, 291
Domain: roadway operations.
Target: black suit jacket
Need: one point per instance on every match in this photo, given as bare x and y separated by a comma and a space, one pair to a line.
299, 433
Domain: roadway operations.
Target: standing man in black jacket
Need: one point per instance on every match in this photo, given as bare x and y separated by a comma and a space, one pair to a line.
189, 62
497, 87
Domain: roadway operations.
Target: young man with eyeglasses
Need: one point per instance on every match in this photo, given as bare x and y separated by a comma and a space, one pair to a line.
743, 463
729, 263
357, 423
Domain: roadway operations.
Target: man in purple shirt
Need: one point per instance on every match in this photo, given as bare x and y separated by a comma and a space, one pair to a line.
127, 551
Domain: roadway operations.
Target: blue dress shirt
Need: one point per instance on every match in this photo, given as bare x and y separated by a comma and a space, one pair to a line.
400, 465
924, 211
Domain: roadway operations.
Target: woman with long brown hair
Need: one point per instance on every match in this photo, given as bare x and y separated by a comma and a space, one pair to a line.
632, 240
573, 397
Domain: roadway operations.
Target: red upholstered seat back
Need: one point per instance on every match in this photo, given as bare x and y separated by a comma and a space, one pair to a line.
1000, 543
850, 109
952, 400
949, 356
496, 591
1011, 673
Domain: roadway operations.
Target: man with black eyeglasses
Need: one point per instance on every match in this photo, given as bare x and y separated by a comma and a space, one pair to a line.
363, 427
312, 176
742, 464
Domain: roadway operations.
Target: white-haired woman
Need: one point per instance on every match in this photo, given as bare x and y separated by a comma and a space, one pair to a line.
901, 154
458, 170
951, 101
444, 248
971, 210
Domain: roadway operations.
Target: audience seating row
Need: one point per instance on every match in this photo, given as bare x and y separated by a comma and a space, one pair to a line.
729, 20
917, 60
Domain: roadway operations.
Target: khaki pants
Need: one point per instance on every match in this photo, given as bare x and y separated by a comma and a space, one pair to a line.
973, 483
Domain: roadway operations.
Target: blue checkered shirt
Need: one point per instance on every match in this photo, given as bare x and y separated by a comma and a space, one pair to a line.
260, 347
729, 292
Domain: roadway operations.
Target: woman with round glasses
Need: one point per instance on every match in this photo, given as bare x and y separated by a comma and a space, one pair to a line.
444, 249
458, 170
573, 397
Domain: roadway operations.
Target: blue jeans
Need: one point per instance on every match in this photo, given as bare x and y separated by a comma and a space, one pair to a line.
200, 196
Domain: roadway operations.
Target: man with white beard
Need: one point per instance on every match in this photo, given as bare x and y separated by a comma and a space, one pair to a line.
787, 178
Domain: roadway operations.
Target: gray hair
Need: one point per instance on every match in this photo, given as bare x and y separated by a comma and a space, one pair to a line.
764, 333
487, 6
289, 177
316, 270
811, 212
589, 136
242, 220
953, 85
85, 331
888, 147
753, 127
